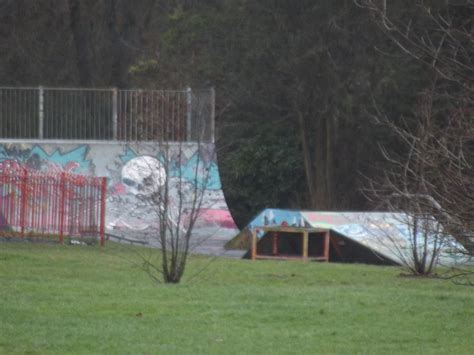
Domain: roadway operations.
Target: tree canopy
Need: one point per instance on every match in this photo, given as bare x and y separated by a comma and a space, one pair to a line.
297, 82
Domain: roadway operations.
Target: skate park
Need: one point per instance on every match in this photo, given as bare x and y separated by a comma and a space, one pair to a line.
137, 140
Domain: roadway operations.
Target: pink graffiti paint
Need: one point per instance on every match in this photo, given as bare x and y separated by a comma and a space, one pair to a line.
221, 218
118, 189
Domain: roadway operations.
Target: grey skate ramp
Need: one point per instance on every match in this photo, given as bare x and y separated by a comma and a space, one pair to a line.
202, 242
134, 171
385, 234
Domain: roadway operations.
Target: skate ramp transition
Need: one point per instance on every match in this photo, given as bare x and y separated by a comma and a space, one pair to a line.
128, 217
125, 135
388, 236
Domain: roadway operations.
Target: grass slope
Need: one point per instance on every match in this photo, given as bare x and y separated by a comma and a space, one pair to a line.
75, 299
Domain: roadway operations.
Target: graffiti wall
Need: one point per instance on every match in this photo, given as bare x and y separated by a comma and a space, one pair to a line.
134, 173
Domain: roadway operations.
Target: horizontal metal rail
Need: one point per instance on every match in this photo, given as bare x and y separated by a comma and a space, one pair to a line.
107, 114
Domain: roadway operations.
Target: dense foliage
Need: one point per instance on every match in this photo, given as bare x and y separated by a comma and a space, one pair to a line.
296, 81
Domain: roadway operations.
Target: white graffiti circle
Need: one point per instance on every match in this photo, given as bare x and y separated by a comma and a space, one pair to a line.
143, 176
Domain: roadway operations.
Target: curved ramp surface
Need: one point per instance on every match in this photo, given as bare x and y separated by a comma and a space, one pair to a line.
387, 234
134, 171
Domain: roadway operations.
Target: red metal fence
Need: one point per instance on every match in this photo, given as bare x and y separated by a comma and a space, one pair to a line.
39, 203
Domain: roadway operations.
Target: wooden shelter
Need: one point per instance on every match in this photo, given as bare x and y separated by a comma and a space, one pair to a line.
282, 242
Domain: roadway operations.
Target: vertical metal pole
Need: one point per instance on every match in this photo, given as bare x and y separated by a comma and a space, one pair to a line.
40, 112
103, 192
136, 97
213, 115
24, 200
189, 103
114, 114
125, 116
62, 192
3, 133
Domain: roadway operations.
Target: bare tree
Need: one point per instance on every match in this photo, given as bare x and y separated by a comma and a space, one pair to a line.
437, 35
433, 172
170, 182
410, 183
176, 201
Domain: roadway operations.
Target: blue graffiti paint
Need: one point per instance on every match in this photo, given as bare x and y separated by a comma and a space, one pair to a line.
38, 158
352, 230
77, 155
3, 154
128, 155
208, 173
276, 217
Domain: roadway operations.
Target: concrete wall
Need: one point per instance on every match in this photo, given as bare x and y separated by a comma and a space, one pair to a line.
133, 170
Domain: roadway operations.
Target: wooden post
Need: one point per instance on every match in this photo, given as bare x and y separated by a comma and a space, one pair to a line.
275, 243
326, 246
336, 247
305, 245
254, 245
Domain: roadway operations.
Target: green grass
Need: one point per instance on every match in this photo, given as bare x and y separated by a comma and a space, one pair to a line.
241, 241
75, 299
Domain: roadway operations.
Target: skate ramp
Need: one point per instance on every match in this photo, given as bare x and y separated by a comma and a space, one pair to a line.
388, 235
128, 215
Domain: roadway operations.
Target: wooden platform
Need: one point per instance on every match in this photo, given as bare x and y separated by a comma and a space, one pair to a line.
289, 257
304, 232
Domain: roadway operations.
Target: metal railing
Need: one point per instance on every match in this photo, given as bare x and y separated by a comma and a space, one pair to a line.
43, 204
107, 114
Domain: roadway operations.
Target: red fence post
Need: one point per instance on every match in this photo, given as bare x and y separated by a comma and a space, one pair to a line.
39, 202
24, 200
62, 199
103, 192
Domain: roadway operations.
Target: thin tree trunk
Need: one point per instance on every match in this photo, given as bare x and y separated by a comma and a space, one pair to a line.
307, 159
329, 163
80, 42
320, 166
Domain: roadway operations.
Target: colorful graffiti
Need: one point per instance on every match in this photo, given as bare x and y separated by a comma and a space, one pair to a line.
36, 158
277, 217
388, 234
137, 177
134, 174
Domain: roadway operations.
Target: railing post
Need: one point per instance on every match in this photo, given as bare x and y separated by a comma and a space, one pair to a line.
40, 112
213, 114
189, 114
114, 113
62, 207
24, 200
103, 192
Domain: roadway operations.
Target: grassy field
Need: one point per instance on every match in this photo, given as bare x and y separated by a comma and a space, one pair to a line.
75, 299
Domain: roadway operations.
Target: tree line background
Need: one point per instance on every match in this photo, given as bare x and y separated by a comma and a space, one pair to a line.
298, 83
